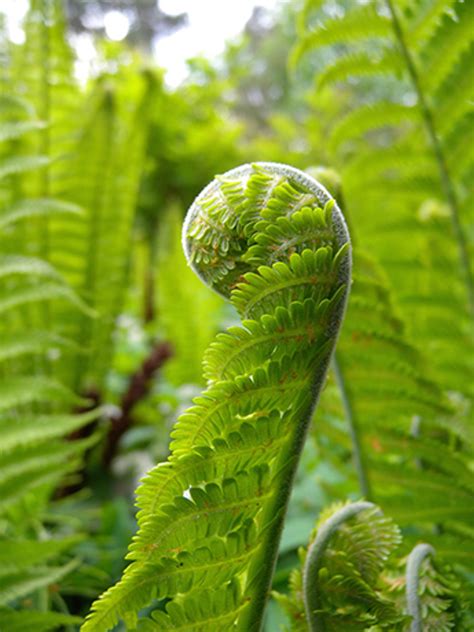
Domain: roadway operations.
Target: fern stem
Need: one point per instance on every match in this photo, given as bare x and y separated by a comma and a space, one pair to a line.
443, 168
414, 562
45, 138
263, 567
138, 387
359, 462
61, 605
315, 554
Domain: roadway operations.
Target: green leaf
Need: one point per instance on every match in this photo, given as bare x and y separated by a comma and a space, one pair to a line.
26, 621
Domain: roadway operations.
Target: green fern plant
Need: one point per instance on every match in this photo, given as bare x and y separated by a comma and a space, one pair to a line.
36, 408
267, 237
401, 152
351, 580
56, 320
85, 155
397, 419
272, 239
406, 148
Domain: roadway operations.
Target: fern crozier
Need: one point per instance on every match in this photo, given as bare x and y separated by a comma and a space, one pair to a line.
271, 239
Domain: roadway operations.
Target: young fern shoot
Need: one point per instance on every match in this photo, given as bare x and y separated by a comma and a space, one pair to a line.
351, 579
271, 239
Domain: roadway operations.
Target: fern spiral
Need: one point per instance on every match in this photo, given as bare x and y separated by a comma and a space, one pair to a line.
315, 556
271, 239
352, 578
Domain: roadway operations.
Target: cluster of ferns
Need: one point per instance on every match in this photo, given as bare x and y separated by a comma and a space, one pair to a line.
273, 241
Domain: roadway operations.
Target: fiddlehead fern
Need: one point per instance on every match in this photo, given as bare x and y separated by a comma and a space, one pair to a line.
315, 557
340, 573
271, 238
351, 580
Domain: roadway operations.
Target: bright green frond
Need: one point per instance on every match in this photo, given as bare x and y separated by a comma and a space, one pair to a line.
19, 585
360, 23
27, 209
213, 508
25, 621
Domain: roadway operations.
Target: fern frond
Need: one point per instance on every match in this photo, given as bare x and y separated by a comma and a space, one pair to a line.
201, 611
17, 391
19, 585
256, 441
16, 555
431, 78
340, 580
93, 250
242, 350
216, 483
449, 42
207, 567
351, 581
385, 381
359, 64
27, 209
40, 429
433, 593
25, 621
368, 118
361, 23
39, 304
208, 511
22, 164
11, 131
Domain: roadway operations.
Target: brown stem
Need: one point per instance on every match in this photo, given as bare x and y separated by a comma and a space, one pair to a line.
138, 388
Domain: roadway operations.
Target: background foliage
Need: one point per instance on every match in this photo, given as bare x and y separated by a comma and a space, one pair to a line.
103, 326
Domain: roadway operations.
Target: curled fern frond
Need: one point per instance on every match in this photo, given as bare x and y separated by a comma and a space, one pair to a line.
271, 239
350, 579
342, 567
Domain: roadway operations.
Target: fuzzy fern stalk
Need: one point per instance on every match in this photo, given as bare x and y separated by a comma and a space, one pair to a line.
414, 562
434, 594
273, 241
